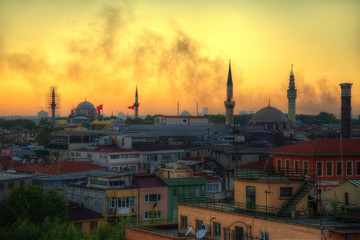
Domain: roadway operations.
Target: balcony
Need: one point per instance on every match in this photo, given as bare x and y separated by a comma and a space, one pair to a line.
275, 175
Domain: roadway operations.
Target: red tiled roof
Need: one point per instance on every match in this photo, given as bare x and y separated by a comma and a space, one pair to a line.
264, 164
76, 214
208, 178
321, 147
5, 162
65, 167
147, 181
107, 149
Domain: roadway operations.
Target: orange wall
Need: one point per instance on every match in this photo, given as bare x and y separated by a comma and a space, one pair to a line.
136, 234
272, 199
146, 207
276, 229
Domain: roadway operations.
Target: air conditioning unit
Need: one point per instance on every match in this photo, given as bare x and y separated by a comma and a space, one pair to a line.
111, 210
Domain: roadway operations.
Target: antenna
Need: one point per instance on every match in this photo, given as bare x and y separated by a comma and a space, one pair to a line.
188, 231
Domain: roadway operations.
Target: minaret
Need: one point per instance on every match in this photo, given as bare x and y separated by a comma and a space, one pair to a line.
177, 114
136, 104
53, 106
229, 103
346, 109
291, 95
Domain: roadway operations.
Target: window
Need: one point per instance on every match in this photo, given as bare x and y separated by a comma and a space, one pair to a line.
151, 198
287, 165
250, 197
306, 167
175, 193
116, 156
103, 156
217, 229
89, 155
319, 190
78, 154
152, 157
78, 225
297, 166
22, 183
264, 235
1, 187
319, 169
93, 226
11, 185
285, 191
338, 168
124, 155
134, 155
152, 215
198, 224
183, 222
329, 169
239, 232
348, 168
112, 203
357, 168
278, 164
132, 168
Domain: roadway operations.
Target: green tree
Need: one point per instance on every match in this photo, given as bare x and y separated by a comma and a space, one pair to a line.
43, 137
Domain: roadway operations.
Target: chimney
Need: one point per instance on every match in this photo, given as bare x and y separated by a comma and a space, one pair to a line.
346, 109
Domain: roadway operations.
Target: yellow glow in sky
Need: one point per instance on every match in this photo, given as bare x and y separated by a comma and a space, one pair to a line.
177, 51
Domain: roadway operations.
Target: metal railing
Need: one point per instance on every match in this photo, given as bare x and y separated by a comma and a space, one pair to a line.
278, 174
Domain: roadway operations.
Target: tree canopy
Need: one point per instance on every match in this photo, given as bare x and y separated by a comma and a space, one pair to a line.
43, 137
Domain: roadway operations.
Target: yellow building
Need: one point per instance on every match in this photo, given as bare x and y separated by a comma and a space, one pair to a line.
84, 219
110, 194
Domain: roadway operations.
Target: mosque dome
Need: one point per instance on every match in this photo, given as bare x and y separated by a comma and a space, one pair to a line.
85, 105
269, 114
185, 113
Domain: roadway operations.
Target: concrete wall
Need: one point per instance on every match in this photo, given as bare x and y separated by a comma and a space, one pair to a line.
338, 194
93, 199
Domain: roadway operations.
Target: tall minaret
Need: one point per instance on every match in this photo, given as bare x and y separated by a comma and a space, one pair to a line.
229, 103
53, 106
291, 95
346, 109
136, 104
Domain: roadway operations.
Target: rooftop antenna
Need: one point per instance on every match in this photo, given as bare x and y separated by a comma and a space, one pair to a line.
188, 231
178, 108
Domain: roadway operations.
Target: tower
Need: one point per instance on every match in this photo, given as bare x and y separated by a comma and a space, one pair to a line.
229, 103
53, 103
291, 95
346, 109
136, 104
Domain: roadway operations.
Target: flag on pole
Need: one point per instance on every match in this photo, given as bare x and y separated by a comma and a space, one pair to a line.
132, 107
100, 107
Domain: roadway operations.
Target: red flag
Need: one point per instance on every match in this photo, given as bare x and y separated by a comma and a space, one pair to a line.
100, 107
132, 107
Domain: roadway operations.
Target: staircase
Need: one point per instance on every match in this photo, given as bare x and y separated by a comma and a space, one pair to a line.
289, 205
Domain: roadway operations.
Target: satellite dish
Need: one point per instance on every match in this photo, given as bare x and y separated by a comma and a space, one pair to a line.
188, 231
24, 161
39, 160
200, 234
32, 160
174, 165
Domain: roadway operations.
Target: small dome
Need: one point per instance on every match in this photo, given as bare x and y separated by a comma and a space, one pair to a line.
63, 122
95, 122
86, 105
268, 115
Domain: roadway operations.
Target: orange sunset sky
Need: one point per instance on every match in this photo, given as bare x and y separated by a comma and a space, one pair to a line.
177, 50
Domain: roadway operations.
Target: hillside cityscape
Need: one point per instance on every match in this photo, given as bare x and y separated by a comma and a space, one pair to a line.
179, 120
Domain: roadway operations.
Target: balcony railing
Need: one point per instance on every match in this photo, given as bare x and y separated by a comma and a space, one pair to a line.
278, 174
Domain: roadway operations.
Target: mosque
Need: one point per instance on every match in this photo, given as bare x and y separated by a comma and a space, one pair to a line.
85, 112
268, 118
